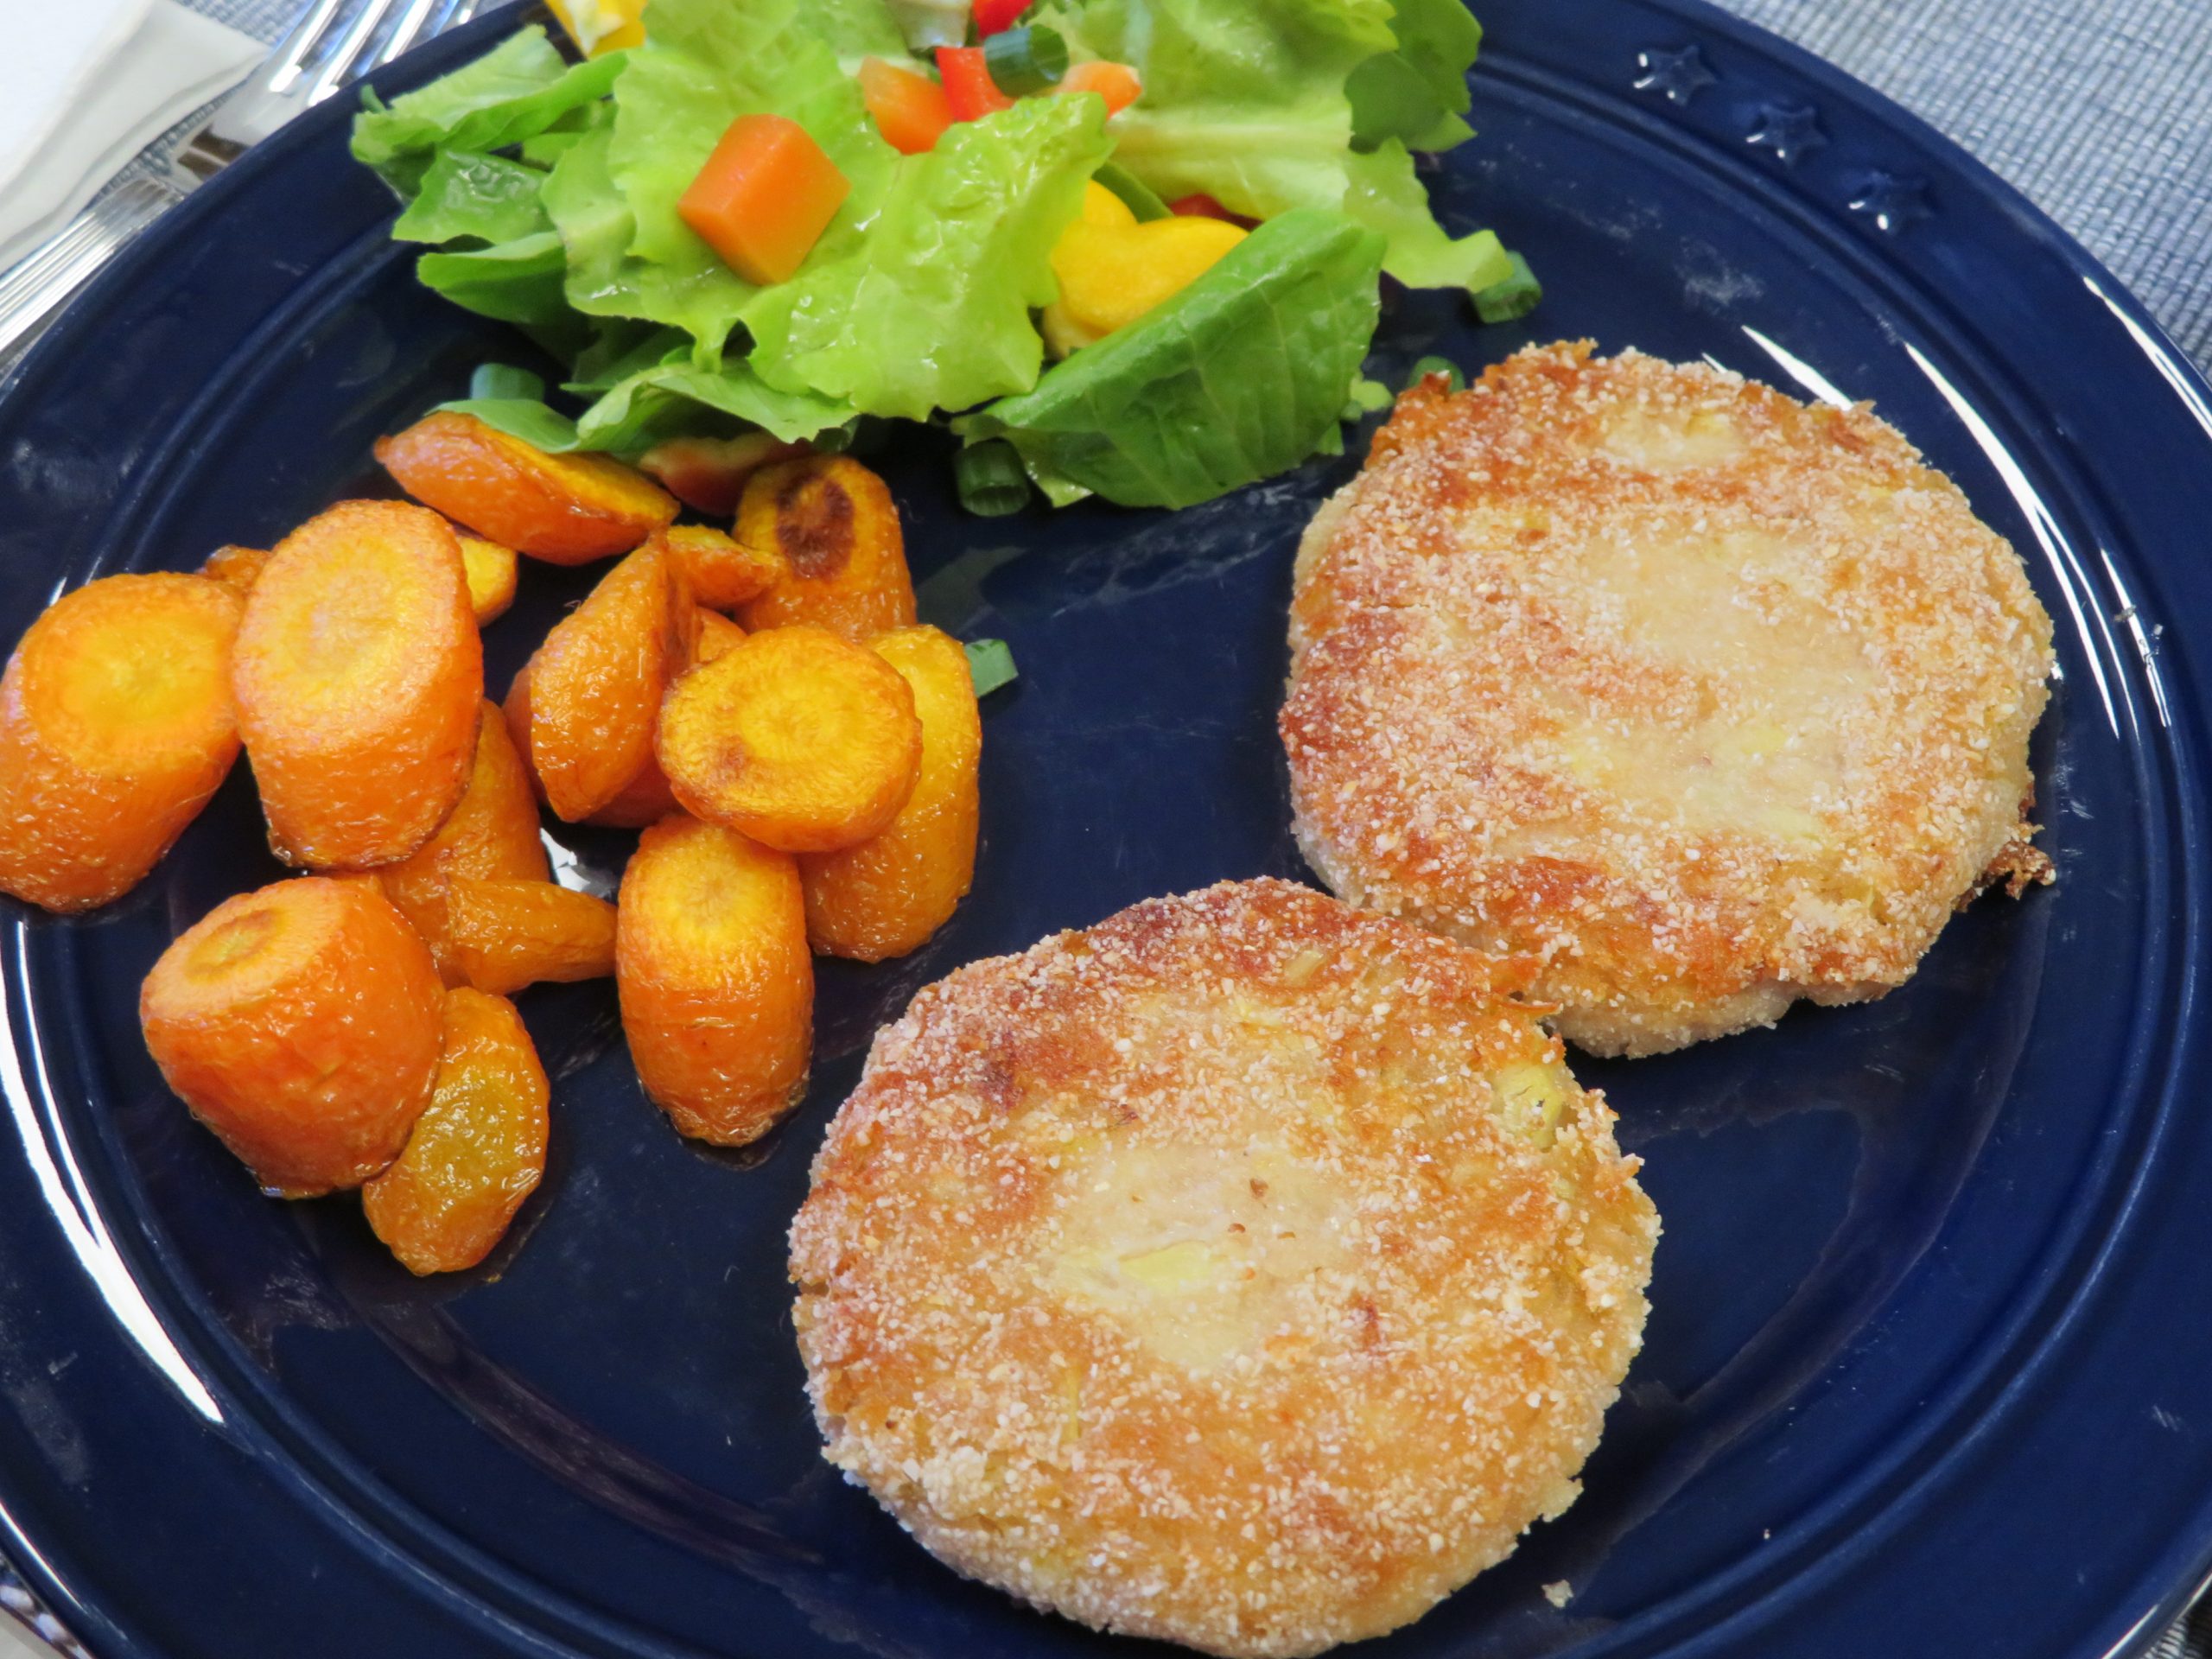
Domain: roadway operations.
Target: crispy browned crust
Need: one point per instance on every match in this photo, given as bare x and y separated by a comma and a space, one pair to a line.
1707, 700
1245, 1271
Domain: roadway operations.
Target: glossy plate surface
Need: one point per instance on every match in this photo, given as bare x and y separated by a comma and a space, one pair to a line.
1927, 1369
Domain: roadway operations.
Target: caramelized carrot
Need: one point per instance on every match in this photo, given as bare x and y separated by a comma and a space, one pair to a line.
764, 198
707, 474
509, 934
910, 109
115, 728
477, 1151
717, 633
832, 529
492, 835
359, 677
596, 683
564, 509
796, 737
300, 1023
716, 986
492, 577
724, 573
235, 567
886, 896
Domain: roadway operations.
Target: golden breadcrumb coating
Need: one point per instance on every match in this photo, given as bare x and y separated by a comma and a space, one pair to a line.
1246, 1271
1707, 699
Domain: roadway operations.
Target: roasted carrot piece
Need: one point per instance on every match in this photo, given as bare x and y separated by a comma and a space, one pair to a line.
646, 799
235, 567
115, 728
596, 683
764, 197
717, 633
724, 573
796, 737
886, 896
477, 1151
969, 92
709, 475
492, 573
1115, 82
493, 835
359, 677
300, 1023
834, 528
910, 109
509, 934
716, 986
564, 509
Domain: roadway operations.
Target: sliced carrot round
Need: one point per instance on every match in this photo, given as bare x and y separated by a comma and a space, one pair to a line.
717, 633
236, 568
886, 896
596, 683
833, 530
796, 737
708, 474
564, 509
115, 728
724, 572
491, 571
477, 1151
492, 835
302, 1024
715, 981
507, 934
359, 677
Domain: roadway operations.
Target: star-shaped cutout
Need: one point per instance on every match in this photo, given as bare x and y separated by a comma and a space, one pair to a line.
1677, 76
1892, 201
1791, 131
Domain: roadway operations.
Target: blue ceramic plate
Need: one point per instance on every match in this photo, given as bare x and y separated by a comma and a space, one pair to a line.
1926, 1373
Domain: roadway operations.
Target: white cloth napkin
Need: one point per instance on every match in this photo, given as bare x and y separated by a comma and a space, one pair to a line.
85, 84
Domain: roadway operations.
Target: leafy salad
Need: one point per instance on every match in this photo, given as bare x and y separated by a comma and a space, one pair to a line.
563, 198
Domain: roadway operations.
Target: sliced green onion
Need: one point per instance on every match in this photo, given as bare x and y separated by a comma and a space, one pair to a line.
1136, 194
1443, 365
1514, 296
497, 381
1367, 396
993, 481
1031, 59
990, 666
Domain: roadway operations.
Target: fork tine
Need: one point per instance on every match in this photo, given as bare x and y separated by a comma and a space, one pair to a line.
352, 52
413, 24
290, 58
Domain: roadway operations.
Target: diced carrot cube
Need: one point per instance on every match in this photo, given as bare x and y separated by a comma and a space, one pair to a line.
910, 109
764, 198
1115, 82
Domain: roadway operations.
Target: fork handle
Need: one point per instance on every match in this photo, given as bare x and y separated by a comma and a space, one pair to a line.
34, 288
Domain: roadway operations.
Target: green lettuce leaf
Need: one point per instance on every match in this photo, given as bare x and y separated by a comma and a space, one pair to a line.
604, 279
1237, 377
1418, 93
1382, 193
518, 89
705, 63
1246, 101
929, 309
518, 281
466, 194
675, 398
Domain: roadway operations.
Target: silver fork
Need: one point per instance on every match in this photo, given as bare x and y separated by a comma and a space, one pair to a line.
333, 41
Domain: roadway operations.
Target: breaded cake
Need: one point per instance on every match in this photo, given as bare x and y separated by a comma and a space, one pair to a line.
1705, 700
1246, 1271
